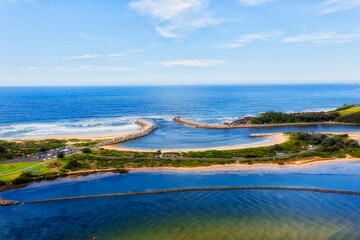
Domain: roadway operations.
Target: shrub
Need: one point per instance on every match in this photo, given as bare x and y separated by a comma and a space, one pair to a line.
61, 155
274, 148
2, 149
43, 149
349, 118
86, 150
72, 164
25, 177
352, 143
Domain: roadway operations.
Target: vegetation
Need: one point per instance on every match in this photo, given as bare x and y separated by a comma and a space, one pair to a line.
278, 117
348, 109
60, 155
88, 143
11, 149
86, 150
349, 118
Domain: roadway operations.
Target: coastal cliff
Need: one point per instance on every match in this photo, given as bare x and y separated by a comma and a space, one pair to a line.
229, 126
146, 129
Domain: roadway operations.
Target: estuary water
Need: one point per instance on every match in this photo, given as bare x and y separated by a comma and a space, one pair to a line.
71, 111
233, 214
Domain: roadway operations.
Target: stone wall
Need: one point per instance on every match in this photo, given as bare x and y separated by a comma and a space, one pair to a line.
146, 129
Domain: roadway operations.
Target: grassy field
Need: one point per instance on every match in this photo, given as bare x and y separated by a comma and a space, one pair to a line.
18, 168
350, 110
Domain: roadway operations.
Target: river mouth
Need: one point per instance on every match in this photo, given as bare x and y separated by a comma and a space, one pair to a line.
175, 136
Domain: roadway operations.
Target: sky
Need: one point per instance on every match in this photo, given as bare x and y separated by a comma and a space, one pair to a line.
148, 42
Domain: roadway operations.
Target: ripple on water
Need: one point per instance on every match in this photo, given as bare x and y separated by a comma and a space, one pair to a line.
250, 214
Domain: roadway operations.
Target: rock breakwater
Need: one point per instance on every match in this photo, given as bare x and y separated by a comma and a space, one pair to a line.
146, 129
8, 202
191, 190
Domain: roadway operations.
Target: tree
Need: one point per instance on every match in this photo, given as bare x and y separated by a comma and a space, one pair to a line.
86, 150
158, 152
43, 149
61, 155
352, 143
73, 164
2, 149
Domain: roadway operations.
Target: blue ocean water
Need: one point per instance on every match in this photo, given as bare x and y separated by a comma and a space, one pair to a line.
28, 112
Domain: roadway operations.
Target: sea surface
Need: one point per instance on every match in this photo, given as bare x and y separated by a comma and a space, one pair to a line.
233, 214
27, 112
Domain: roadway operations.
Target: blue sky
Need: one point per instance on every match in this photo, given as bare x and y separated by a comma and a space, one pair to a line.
120, 42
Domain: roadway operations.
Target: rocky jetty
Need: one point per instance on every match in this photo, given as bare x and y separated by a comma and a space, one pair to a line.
228, 126
8, 202
201, 125
146, 129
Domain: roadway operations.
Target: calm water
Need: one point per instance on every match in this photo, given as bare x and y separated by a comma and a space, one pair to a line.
54, 111
237, 214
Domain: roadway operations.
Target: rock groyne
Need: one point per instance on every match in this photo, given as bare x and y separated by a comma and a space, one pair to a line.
8, 202
192, 190
229, 126
146, 129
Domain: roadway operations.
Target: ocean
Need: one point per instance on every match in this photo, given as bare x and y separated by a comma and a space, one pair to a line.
28, 112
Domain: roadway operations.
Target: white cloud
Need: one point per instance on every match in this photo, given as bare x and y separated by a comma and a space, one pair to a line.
254, 2
83, 68
116, 55
86, 56
248, 38
27, 68
325, 37
331, 6
190, 63
175, 18
120, 69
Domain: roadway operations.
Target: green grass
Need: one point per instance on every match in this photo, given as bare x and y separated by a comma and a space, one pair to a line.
13, 167
349, 110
